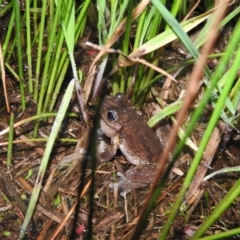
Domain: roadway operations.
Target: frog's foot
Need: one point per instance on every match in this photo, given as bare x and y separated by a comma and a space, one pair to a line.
126, 185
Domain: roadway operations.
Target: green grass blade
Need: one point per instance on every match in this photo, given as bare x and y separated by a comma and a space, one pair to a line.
215, 116
56, 64
29, 47
49, 73
174, 25
102, 30
19, 51
223, 235
168, 36
221, 207
6, 8
39, 61
8, 35
175, 9
44, 163
10, 141
123, 7
167, 111
69, 37
202, 37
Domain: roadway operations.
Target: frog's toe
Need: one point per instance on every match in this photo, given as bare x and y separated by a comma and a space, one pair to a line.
125, 185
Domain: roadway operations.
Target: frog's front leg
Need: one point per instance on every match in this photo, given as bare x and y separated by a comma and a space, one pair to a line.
107, 148
136, 177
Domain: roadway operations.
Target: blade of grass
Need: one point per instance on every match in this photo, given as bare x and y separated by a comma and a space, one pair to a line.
50, 19
169, 35
177, 29
39, 61
139, 36
102, 29
64, 62
26, 120
3, 78
49, 72
223, 235
69, 37
221, 207
215, 116
56, 65
167, 111
175, 9
6, 8
8, 35
125, 46
126, 36
113, 15
58, 85
44, 163
120, 29
202, 37
151, 28
222, 171
35, 19
81, 20
191, 93
29, 47
122, 9
10, 141
19, 51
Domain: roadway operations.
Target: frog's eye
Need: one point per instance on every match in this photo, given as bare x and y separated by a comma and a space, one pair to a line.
112, 115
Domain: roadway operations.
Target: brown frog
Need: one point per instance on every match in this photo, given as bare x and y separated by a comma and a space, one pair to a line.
128, 132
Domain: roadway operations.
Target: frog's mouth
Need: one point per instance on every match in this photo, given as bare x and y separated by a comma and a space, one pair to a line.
108, 130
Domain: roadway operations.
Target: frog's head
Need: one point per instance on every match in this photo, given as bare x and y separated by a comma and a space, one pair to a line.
114, 114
